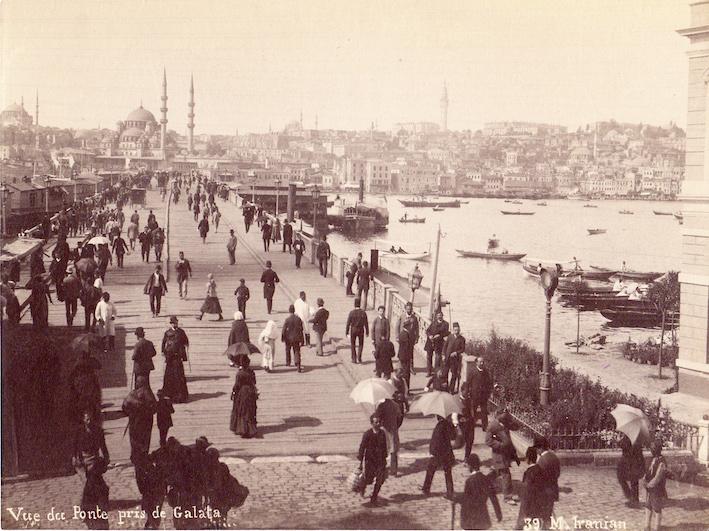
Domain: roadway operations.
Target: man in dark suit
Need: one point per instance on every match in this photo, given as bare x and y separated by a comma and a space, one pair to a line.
299, 249
380, 327
550, 465
364, 276
266, 235
479, 389
288, 237
143, 354
323, 254
436, 334
292, 336
319, 321
156, 287
442, 456
473, 502
453, 350
372, 457
357, 327
269, 279
242, 295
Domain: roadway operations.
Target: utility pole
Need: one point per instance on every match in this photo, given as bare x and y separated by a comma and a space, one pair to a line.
434, 280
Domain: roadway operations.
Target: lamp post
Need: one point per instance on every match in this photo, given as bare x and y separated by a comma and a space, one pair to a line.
550, 280
415, 278
278, 190
316, 197
47, 180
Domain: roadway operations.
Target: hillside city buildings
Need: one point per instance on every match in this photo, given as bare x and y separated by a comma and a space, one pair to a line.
604, 159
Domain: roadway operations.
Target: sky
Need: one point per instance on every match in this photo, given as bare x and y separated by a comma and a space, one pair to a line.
348, 62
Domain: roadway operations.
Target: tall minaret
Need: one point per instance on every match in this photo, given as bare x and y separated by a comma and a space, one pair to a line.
444, 108
190, 117
163, 118
36, 122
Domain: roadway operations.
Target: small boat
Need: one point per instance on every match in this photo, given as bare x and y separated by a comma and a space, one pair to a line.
661, 213
412, 220
518, 213
678, 215
588, 205
508, 200
491, 256
464, 202
625, 212
639, 276
641, 318
542, 204
438, 208
517, 203
425, 203
591, 232
424, 256
591, 275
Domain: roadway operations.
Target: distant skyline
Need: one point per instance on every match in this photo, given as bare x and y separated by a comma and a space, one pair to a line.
350, 63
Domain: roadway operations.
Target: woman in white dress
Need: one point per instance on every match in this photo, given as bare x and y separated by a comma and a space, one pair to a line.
105, 315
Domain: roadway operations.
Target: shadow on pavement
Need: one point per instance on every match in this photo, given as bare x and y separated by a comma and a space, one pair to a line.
418, 465
290, 423
689, 504
204, 396
113, 364
369, 519
206, 378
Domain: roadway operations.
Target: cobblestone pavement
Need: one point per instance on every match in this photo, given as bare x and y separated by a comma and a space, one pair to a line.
314, 495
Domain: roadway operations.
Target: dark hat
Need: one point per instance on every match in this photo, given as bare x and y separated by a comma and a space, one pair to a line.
268, 263
173, 319
139, 331
456, 324
202, 441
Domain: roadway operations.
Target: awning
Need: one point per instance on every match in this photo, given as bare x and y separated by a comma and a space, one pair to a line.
19, 248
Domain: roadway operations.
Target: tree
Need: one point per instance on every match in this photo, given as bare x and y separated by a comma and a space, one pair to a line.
665, 296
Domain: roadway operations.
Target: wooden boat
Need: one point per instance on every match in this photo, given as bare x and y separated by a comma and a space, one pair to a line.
412, 220
588, 205
592, 275
542, 204
517, 203
438, 208
640, 318
625, 212
639, 276
491, 256
518, 213
425, 203
424, 256
464, 202
591, 232
678, 215
661, 213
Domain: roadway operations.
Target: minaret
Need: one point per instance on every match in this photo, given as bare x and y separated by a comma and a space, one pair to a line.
36, 122
190, 117
444, 108
163, 110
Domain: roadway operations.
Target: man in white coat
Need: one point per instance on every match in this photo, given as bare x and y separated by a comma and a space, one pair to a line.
105, 315
303, 310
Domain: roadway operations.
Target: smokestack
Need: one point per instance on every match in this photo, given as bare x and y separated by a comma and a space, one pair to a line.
361, 190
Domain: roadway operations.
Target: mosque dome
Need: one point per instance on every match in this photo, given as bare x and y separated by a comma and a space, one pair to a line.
140, 115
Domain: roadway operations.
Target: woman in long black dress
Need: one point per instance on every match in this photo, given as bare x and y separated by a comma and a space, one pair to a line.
39, 308
243, 413
91, 460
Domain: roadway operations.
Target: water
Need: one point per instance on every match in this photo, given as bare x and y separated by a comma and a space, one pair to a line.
486, 294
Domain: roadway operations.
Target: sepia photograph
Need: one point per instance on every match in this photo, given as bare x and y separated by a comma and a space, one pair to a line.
328, 264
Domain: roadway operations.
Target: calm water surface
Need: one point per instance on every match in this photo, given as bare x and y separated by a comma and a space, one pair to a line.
486, 294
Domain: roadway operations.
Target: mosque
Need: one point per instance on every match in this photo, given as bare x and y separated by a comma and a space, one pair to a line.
16, 115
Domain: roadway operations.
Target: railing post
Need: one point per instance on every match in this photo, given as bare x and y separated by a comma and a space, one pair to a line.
703, 441
390, 303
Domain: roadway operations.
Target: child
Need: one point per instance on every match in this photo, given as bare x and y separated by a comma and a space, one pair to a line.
165, 411
267, 342
655, 479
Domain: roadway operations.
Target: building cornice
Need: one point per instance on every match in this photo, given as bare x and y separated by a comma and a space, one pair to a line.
696, 30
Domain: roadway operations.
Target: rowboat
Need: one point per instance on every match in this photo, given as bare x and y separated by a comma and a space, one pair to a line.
639, 318
661, 213
625, 212
639, 276
517, 203
422, 257
438, 208
425, 203
678, 215
592, 275
587, 205
412, 220
591, 232
491, 256
541, 204
518, 213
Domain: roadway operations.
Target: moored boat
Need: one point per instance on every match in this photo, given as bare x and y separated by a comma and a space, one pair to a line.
425, 203
491, 256
542, 204
412, 220
661, 213
588, 205
591, 232
678, 215
625, 212
438, 208
422, 257
641, 318
639, 276
518, 213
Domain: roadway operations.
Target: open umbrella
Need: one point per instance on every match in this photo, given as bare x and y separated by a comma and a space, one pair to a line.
372, 391
437, 403
99, 240
631, 421
86, 265
240, 349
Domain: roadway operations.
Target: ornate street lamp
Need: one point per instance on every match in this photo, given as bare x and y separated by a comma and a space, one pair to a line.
415, 278
550, 280
316, 196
